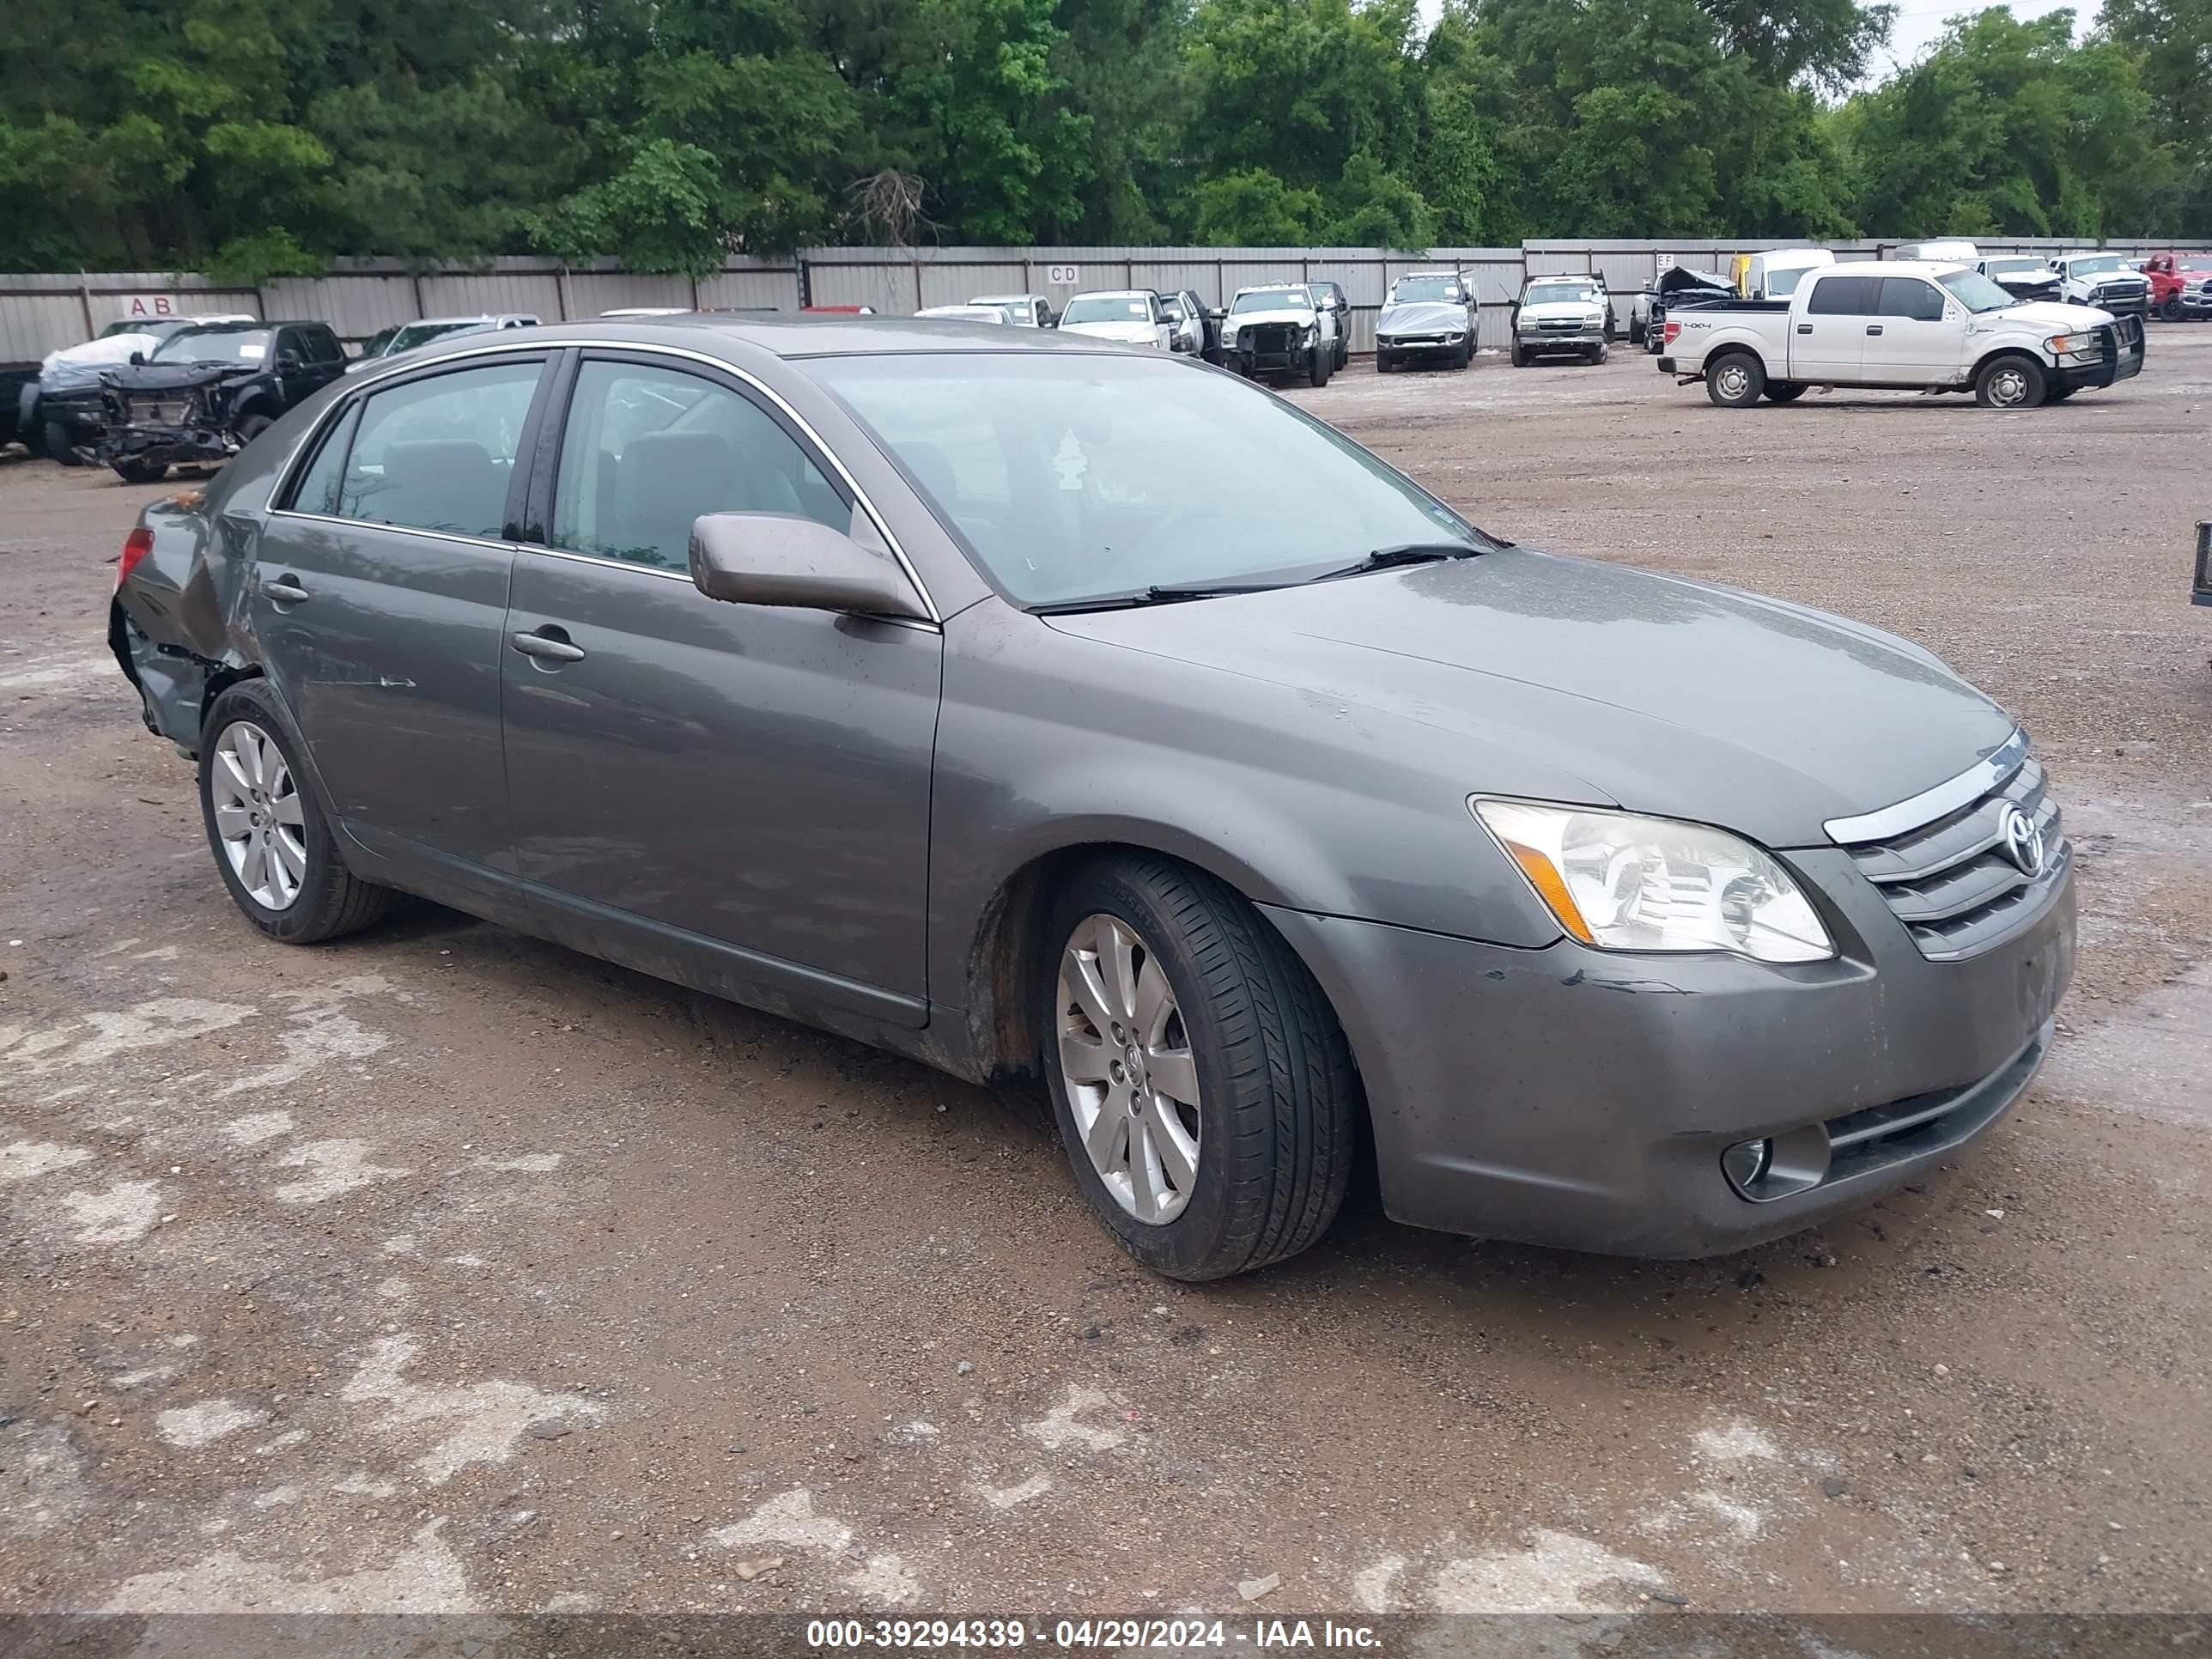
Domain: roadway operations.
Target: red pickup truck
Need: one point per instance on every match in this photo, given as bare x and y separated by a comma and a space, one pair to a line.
2180, 285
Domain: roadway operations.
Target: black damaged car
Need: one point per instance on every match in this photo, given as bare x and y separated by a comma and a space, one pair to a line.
206, 392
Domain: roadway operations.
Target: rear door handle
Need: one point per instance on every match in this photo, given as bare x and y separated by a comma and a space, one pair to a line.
550, 644
1873, 328
1804, 328
285, 590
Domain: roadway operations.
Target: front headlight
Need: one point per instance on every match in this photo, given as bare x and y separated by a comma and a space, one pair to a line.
2064, 343
1306, 335
1622, 882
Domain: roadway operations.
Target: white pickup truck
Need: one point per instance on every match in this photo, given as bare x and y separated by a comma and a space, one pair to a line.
1933, 327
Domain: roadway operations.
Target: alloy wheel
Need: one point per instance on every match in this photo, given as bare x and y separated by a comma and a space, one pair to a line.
1126, 1063
258, 816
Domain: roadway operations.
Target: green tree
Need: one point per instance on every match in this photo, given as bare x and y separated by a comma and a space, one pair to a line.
1253, 207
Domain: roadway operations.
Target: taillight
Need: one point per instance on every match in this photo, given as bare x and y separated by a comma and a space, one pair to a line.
1672, 331
135, 546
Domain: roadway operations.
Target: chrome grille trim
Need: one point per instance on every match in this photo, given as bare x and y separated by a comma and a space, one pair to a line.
1948, 796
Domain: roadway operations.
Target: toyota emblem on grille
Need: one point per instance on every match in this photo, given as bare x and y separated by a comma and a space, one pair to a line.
2023, 841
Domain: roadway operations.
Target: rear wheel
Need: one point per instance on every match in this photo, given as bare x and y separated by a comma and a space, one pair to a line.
2012, 381
272, 846
1734, 379
1203, 1088
1784, 392
60, 446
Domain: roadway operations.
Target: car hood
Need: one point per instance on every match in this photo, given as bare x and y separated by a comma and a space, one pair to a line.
1127, 333
1660, 695
2056, 315
169, 377
1421, 317
1245, 318
1575, 311
1681, 279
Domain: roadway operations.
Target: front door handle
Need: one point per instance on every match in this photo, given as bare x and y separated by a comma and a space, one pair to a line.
550, 644
1804, 328
285, 590
1873, 328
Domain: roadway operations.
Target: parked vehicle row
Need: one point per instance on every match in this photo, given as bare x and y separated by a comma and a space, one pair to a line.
915, 681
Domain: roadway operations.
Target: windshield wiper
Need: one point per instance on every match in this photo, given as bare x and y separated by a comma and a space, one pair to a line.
1384, 558
1160, 593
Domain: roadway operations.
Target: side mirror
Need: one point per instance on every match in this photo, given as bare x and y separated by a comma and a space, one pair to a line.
767, 558
137, 359
1218, 314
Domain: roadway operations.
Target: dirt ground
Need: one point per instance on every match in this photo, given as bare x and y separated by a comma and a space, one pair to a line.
445, 1270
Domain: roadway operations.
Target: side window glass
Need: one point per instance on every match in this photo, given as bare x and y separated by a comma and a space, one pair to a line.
1842, 296
437, 454
647, 451
1908, 297
318, 487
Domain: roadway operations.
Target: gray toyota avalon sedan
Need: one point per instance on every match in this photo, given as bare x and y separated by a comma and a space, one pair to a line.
1047, 710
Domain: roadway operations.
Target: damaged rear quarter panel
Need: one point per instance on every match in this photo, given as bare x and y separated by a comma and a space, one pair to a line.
181, 626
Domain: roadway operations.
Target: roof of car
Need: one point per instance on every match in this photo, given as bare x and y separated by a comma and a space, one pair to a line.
785, 334
1114, 293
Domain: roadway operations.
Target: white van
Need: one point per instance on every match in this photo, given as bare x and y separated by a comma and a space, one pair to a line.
1952, 251
1774, 274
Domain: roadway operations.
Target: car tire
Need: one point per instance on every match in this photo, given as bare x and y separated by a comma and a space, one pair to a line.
1343, 350
1248, 1033
251, 428
1784, 392
273, 849
1520, 357
2173, 310
1596, 354
1464, 354
1317, 366
59, 446
2014, 381
1734, 379
1383, 361
1635, 332
140, 472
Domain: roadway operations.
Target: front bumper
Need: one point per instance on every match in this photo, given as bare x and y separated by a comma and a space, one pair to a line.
1580, 339
1421, 345
2122, 361
1267, 357
172, 445
1581, 1099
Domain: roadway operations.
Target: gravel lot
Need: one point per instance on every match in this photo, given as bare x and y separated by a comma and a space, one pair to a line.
447, 1270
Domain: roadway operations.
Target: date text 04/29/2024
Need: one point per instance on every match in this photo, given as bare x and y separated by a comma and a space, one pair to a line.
1073, 1634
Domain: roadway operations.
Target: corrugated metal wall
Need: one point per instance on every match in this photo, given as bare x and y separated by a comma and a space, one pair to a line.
38, 314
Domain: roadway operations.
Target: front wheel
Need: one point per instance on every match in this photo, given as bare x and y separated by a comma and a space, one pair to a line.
272, 844
1465, 353
2172, 310
2009, 382
60, 446
1595, 355
141, 471
1383, 361
1343, 350
1203, 1088
1784, 392
1734, 379
1520, 357
1318, 362
251, 428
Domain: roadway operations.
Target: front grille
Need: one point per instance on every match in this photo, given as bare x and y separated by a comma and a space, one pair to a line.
1861, 1142
158, 411
1269, 337
1952, 882
1555, 325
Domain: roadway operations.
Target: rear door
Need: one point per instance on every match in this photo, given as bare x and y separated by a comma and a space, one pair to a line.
734, 796
1916, 336
1828, 337
379, 590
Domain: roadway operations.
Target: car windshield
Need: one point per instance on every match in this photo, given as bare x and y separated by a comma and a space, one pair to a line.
1106, 308
414, 334
1408, 288
2097, 265
214, 345
1782, 282
1553, 294
1271, 298
1080, 477
1977, 291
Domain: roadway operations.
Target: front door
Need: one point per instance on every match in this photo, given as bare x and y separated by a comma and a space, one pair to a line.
1918, 335
380, 592
1827, 341
734, 796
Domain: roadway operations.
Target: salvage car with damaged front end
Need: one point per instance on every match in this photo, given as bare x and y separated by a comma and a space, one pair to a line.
928, 685
206, 392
